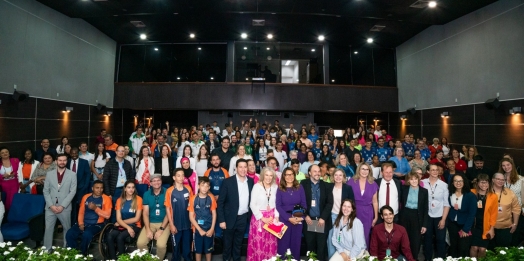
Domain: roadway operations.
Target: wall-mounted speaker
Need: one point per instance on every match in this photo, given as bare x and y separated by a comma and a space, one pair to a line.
20, 96
230, 115
493, 103
286, 115
411, 111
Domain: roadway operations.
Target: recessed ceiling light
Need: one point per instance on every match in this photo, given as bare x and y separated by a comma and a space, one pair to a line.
245, 48
212, 78
355, 52
143, 36
199, 48
178, 78
156, 49
243, 35
269, 36
432, 4
191, 35
333, 80
268, 48
370, 40
247, 79
312, 50
321, 38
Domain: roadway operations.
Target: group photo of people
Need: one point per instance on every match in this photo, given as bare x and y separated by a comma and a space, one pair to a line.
284, 190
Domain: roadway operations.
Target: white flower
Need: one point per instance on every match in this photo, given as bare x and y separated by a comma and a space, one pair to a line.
288, 252
6, 253
43, 247
2, 245
502, 252
9, 243
307, 254
311, 259
11, 249
19, 243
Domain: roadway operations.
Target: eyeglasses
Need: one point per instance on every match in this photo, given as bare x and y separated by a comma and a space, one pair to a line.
458, 181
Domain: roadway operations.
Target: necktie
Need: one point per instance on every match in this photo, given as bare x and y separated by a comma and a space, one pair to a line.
74, 166
387, 194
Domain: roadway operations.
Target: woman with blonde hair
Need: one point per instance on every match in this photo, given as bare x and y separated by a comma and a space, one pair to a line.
514, 182
262, 244
470, 154
365, 191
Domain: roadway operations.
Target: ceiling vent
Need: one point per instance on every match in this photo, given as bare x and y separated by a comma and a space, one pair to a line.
138, 24
259, 22
377, 28
420, 4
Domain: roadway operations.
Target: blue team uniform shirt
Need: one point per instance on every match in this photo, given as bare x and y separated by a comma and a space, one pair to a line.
216, 178
409, 149
425, 154
317, 152
367, 155
90, 216
383, 154
179, 203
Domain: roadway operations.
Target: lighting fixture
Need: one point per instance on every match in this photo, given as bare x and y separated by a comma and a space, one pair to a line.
143, 36
136, 115
247, 79
268, 48
212, 78
333, 80
245, 48
370, 40
156, 49
313, 50
269, 36
445, 114
515, 110
356, 52
67, 109
432, 4
243, 35
178, 78
321, 38
199, 48
108, 113
375, 120
403, 117
191, 35
287, 63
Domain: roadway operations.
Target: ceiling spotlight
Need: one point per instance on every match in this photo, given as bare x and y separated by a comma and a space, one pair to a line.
515, 110
445, 114
268, 48
245, 48
143, 36
136, 115
321, 38
199, 48
243, 35
67, 109
269, 36
178, 78
403, 117
375, 120
333, 80
247, 79
312, 50
212, 78
156, 49
191, 35
432, 4
108, 113
356, 52
370, 40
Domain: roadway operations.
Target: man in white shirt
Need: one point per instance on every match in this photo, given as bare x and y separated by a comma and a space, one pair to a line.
378, 132
215, 127
195, 144
135, 141
84, 154
389, 192
280, 155
291, 128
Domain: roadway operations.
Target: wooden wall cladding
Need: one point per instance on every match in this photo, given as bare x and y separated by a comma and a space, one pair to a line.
24, 124
493, 131
239, 96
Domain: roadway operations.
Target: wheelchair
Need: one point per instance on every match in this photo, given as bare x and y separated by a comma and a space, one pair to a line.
101, 240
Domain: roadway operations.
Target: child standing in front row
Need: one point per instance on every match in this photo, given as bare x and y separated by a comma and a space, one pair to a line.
176, 202
202, 213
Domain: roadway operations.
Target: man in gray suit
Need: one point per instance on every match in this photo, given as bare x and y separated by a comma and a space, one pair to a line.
59, 191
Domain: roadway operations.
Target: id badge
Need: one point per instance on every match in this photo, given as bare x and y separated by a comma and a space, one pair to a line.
131, 210
388, 252
500, 209
313, 203
479, 204
216, 188
122, 181
157, 212
200, 222
186, 195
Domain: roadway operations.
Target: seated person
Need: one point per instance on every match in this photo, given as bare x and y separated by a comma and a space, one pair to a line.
348, 233
389, 239
128, 214
95, 209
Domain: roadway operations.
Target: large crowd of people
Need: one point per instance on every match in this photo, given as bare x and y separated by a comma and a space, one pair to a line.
364, 192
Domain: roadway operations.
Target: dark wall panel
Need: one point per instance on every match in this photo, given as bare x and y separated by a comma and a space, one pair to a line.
17, 129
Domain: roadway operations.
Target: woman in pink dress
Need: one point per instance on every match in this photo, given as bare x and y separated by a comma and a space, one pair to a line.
8, 176
260, 243
190, 176
365, 190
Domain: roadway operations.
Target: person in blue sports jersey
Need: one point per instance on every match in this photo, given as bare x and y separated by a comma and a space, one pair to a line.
202, 214
317, 150
408, 147
425, 153
381, 151
177, 201
368, 152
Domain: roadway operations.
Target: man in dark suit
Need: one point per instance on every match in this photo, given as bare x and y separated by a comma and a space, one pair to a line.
83, 175
39, 153
319, 198
233, 210
389, 190
212, 143
473, 172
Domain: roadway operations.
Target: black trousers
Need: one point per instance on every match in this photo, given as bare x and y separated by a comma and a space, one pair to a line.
317, 242
502, 238
409, 220
458, 246
233, 237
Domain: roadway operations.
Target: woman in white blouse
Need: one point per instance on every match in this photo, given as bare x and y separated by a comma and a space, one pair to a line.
261, 244
145, 166
187, 152
60, 149
202, 160
241, 154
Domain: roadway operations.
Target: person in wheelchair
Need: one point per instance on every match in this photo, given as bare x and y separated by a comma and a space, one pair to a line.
95, 209
128, 220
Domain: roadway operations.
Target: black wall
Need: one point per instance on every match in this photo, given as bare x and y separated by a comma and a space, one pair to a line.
492, 131
24, 124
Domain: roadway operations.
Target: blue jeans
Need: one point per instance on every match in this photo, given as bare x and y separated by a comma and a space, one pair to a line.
330, 246
87, 235
28, 188
440, 238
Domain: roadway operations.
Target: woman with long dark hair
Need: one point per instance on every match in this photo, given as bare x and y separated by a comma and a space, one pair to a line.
164, 166
60, 148
348, 233
101, 157
8, 176
145, 166
28, 165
